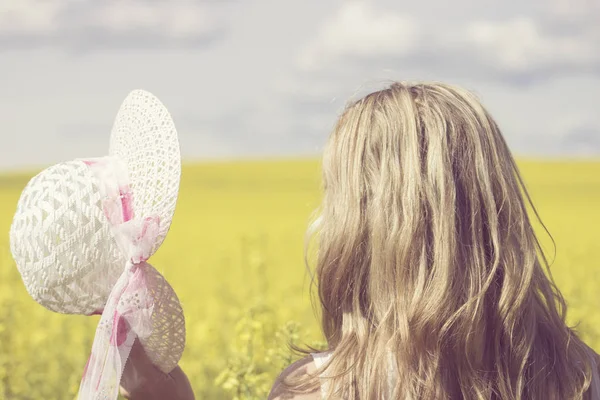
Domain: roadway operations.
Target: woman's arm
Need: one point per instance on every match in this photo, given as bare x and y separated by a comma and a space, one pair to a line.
143, 381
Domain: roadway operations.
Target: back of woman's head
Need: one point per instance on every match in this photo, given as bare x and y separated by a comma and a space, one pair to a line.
429, 271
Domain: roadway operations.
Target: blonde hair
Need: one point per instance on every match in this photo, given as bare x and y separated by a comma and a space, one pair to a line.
426, 254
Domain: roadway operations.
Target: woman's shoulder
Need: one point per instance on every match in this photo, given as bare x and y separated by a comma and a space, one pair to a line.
596, 357
304, 367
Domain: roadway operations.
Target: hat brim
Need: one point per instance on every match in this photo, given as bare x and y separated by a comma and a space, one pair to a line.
145, 138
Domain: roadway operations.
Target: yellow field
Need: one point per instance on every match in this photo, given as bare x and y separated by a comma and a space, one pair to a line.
234, 256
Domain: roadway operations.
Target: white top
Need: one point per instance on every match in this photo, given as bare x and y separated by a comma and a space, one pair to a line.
321, 359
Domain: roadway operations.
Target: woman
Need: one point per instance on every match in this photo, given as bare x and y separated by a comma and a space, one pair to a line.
431, 279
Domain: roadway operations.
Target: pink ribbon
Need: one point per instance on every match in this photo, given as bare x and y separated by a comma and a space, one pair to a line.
128, 311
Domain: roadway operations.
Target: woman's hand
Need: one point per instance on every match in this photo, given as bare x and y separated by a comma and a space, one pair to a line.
143, 381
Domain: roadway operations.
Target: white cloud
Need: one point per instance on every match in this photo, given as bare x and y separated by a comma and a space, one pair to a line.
514, 48
574, 9
29, 16
90, 23
177, 19
522, 45
359, 30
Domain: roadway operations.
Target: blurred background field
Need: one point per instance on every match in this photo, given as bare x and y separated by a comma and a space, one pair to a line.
235, 257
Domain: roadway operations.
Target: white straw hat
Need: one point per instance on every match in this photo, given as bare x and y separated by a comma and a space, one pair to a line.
84, 229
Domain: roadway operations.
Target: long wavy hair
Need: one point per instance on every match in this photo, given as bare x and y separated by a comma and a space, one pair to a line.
431, 280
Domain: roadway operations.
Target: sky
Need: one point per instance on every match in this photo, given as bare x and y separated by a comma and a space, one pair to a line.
267, 78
